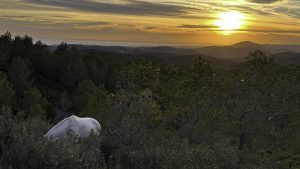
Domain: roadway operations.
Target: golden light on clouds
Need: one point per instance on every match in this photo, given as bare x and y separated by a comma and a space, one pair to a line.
228, 22
155, 21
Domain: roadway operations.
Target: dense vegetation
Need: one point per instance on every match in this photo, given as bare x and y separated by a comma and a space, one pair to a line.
153, 115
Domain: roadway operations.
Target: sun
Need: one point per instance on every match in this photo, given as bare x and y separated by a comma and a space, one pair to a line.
229, 21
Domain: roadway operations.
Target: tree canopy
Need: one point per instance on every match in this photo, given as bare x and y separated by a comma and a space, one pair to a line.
153, 115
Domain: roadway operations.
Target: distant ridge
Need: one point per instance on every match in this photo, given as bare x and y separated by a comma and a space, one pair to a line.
247, 44
287, 58
237, 52
222, 56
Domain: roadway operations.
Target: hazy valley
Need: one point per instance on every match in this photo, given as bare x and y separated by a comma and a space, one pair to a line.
220, 56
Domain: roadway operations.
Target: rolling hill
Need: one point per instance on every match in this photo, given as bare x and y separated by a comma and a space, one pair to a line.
221, 56
287, 58
237, 52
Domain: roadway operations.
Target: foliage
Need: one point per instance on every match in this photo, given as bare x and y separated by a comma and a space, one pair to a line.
19, 74
6, 91
152, 115
91, 100
24, 147
34, 104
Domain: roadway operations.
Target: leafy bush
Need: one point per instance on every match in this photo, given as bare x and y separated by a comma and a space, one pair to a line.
24, 147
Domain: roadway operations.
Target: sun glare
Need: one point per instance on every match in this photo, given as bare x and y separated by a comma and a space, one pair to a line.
228, 22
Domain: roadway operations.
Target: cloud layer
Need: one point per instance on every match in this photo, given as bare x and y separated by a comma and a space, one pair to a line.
172, 21
132, 7
197, 26
265, 1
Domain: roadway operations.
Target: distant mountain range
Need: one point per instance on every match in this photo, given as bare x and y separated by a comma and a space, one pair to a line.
222, 56
287, 58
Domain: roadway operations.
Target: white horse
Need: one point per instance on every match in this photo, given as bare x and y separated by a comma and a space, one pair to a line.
81, 127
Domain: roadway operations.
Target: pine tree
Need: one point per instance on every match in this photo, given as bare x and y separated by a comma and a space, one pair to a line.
91, 100
33, 103
5, 45
6, 91
19, 74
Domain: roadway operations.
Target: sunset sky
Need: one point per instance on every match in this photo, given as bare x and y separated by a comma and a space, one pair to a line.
203, 22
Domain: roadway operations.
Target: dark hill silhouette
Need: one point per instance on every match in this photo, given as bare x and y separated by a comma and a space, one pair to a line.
228, 55
287, 58
158, 55
247, 44
237, 52
275, 48
188, 59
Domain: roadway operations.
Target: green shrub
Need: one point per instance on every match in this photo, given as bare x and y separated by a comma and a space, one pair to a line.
24, 147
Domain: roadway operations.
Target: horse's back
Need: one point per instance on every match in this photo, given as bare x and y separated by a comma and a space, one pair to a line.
81, 127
